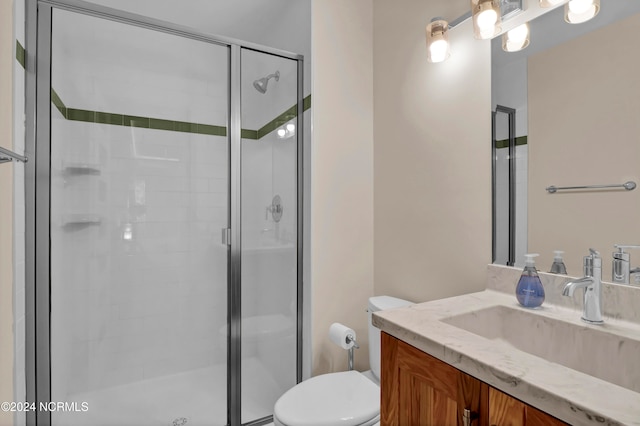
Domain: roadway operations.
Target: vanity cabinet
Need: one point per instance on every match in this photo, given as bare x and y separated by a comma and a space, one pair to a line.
418, 389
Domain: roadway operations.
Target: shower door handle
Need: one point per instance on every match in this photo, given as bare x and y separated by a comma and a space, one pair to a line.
226, 236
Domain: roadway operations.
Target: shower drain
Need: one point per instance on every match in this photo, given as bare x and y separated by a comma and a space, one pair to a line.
180, 421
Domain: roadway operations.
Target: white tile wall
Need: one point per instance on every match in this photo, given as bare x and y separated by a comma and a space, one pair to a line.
127, 310
269, 259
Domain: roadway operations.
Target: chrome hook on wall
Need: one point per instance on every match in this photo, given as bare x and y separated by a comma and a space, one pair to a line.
6, 156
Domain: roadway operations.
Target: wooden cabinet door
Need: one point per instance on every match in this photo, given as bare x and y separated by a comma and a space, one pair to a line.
505, 410
420, 390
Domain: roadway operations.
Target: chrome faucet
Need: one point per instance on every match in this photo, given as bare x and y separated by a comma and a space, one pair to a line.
592, 284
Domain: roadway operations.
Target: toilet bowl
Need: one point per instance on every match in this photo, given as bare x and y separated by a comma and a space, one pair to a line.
348, 398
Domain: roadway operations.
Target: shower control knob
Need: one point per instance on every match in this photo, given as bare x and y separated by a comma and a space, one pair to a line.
275, 209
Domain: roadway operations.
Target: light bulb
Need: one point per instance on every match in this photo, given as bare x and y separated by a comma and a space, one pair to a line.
550, 3
519, 33
438, 50
438, 41
579, 11
516, 39
281, 133
487, 20
580, 6
291, 127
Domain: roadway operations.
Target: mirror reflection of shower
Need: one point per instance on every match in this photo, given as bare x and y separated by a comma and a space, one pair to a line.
261, 83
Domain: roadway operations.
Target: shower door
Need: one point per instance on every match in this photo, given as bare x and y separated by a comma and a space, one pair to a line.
139, 183
164, 274
269, 230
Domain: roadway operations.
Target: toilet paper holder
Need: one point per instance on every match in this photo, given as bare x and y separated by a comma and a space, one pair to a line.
351, 339
344, 337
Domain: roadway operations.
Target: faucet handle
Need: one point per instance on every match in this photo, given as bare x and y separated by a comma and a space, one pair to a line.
621, 247
590, 261
621, 254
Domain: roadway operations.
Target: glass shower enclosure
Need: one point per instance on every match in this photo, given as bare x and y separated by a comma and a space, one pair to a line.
166, 223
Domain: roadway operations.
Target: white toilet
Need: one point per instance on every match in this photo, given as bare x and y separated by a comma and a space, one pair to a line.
347, 398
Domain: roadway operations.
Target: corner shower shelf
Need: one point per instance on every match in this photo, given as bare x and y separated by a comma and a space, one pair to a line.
75, 219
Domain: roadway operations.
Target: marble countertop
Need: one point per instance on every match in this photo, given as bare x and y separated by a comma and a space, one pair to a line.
572, 396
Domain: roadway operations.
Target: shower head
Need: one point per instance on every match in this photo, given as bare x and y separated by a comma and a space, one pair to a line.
261, 83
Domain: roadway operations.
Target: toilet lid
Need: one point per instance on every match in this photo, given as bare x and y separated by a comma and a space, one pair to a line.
346, 399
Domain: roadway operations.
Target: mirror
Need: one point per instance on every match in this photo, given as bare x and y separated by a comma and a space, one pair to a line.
576, 93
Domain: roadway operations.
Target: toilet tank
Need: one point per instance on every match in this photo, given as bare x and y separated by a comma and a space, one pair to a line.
379, 303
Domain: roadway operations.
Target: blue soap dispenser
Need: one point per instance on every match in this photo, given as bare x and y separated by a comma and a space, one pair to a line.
529, 290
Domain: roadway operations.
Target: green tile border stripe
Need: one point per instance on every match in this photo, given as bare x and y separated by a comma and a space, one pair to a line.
57, 102
283, 118
249, 134
20, 55
100, 117
520, 140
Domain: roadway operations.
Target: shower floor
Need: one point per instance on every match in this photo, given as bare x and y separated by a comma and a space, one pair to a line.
191, 396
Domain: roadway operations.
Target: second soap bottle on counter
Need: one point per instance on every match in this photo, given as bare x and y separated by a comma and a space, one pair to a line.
529, 290
558, 264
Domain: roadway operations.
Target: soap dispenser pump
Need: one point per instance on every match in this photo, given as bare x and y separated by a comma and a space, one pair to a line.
558, 266
529, 290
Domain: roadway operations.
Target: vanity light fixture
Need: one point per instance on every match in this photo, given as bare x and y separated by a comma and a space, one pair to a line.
438, 40
516, 39
487, 18
579, 11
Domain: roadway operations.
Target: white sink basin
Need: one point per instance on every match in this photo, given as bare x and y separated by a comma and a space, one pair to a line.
599, 351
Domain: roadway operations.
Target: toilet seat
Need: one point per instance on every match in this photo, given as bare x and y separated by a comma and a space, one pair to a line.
345, 399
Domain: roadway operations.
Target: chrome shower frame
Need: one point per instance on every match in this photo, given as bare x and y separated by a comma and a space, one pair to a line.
38, 182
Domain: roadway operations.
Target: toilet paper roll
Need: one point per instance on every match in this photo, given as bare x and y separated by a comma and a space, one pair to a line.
338, 334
